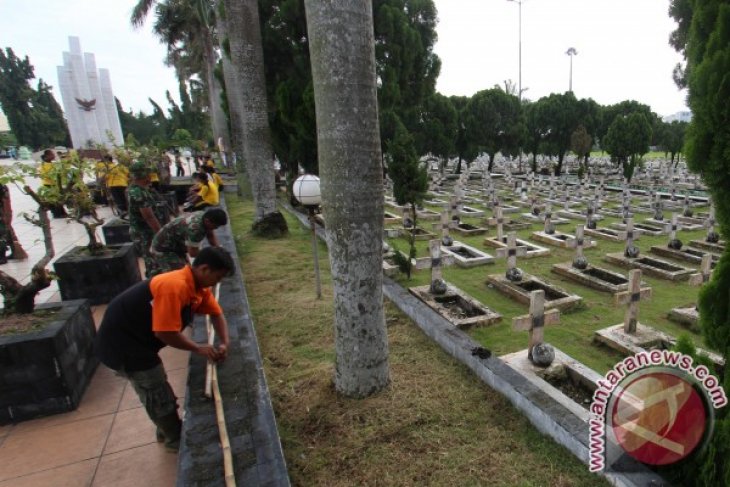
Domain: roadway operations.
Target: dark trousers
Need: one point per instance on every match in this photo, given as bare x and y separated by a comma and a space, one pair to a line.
180, 171
119, 194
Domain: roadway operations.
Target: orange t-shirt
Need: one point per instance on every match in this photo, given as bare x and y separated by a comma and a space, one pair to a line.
174, 293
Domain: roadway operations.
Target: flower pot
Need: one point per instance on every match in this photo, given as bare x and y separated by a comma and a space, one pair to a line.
98, 278
46, 371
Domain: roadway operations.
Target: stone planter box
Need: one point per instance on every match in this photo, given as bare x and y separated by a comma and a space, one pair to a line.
46, 372
116, 231
98, 278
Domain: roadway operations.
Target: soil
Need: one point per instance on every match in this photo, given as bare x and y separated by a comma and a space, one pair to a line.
19, 324
456, 309
581, 395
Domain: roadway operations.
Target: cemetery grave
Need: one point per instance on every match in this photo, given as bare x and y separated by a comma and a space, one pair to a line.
574, 336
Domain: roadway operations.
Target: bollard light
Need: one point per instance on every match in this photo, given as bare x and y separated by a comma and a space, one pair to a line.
306, 191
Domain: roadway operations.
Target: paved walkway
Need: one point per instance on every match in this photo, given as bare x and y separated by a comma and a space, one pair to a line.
108, 440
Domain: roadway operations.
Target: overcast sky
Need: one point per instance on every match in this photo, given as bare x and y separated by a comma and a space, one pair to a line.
622, 47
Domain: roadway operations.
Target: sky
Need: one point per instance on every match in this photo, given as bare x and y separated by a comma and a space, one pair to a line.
622, 45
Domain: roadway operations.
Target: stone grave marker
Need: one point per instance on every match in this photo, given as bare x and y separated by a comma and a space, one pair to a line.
705, 272
630, 250
534, 323
579, 261
674, 242
632, 299
513, 273
687, 208
549, 228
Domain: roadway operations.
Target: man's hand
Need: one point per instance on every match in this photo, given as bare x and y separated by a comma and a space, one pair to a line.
212, 353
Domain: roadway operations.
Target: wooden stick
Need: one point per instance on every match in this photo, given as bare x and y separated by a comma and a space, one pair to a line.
211, 339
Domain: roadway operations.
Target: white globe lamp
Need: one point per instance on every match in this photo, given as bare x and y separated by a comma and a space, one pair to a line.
306, 190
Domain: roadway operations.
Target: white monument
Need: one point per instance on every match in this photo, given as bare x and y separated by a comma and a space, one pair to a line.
88, 99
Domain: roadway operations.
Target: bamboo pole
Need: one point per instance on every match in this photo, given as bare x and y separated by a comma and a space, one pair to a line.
211, 388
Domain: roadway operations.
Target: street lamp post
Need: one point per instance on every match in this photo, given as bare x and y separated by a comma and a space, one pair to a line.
571, 52
306, 191
519, 27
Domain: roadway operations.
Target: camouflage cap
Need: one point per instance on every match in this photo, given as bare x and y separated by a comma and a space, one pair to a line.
139, 169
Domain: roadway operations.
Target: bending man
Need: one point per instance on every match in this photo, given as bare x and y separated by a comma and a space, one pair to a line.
183, 236
152, 314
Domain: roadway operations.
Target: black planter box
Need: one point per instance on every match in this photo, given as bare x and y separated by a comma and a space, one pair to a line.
180, 186
116, 231
47, 371
97, 278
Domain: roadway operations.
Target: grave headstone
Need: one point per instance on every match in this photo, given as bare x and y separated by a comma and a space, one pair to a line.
712, 235
407, 217
631, 251
549, 226
579, 262
590, 210
674, 242
438, 285
632, 299
443, 228
687, 208
658, 208
705, 272
535, 322
513, 273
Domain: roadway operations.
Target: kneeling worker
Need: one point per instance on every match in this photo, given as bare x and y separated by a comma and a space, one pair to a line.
152, 314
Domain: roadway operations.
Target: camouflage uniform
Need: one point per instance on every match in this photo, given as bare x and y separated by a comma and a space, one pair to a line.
4, 235
169, 247
139, 231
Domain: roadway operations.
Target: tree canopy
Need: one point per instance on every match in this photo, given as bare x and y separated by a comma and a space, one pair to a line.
628, 140
34, 116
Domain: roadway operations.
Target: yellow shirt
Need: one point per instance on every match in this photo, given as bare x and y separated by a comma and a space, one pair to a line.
118, 176
101, 169
217, 179
210, 163
154, 177
209, 193
45, 170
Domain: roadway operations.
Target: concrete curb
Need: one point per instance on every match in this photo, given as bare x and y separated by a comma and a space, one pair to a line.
545, 413
258, 458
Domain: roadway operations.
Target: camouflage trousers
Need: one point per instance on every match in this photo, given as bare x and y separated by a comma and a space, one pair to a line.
154, 391
166, 262
142, 241
4, 239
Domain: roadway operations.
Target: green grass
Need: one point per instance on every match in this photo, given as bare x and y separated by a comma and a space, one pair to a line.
436, 424
574, 334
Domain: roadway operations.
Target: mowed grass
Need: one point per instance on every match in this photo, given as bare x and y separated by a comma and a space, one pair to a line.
436, 424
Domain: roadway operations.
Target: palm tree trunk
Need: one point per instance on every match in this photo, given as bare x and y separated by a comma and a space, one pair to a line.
341, 46
247, 58
217, 117
235, 107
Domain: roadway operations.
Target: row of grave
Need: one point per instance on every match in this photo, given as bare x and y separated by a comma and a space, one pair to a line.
628, 337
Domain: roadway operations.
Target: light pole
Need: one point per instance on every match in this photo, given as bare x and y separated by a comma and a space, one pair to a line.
306, 191
571, 52
519, 85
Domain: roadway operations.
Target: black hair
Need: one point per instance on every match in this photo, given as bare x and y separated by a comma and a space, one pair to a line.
217, 258
208, 169
217, 216
47, 153
202, 176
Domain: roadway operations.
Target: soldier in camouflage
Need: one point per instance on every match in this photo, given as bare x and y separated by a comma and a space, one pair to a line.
183, 236
143, 222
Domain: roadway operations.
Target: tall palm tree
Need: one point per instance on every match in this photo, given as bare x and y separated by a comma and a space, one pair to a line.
247, 59
341, 45
186, 25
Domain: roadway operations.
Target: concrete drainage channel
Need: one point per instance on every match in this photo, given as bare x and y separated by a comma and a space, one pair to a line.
545, 413
255, 445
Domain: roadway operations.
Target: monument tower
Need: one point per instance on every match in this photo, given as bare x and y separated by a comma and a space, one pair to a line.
88, 99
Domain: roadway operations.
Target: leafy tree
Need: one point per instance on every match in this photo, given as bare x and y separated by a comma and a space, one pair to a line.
581, 143
494, 122
628, 140
7, 138
410, 181
626, 107
438, 129
34, 116
672, 138
466, 149
557, 117
703, 38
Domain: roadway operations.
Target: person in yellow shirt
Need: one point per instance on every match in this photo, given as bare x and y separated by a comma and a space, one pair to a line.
117, 181
207, 194
50, 182
214, 177
209, 161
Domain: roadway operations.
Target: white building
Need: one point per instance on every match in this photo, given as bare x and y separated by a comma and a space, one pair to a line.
88, 100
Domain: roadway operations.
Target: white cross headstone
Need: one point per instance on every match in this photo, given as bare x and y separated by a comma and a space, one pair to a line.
703, 276
687, 211
511, 252
712, 236
536, 320
549, 227
674, 242
579, 262
500, 221
632, 298
631, 251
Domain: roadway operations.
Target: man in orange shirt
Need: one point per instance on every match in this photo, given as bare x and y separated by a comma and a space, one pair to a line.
152, 314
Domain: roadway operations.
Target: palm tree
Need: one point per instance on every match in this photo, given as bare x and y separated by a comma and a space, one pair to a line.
247, 59
186, 27
341, 46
